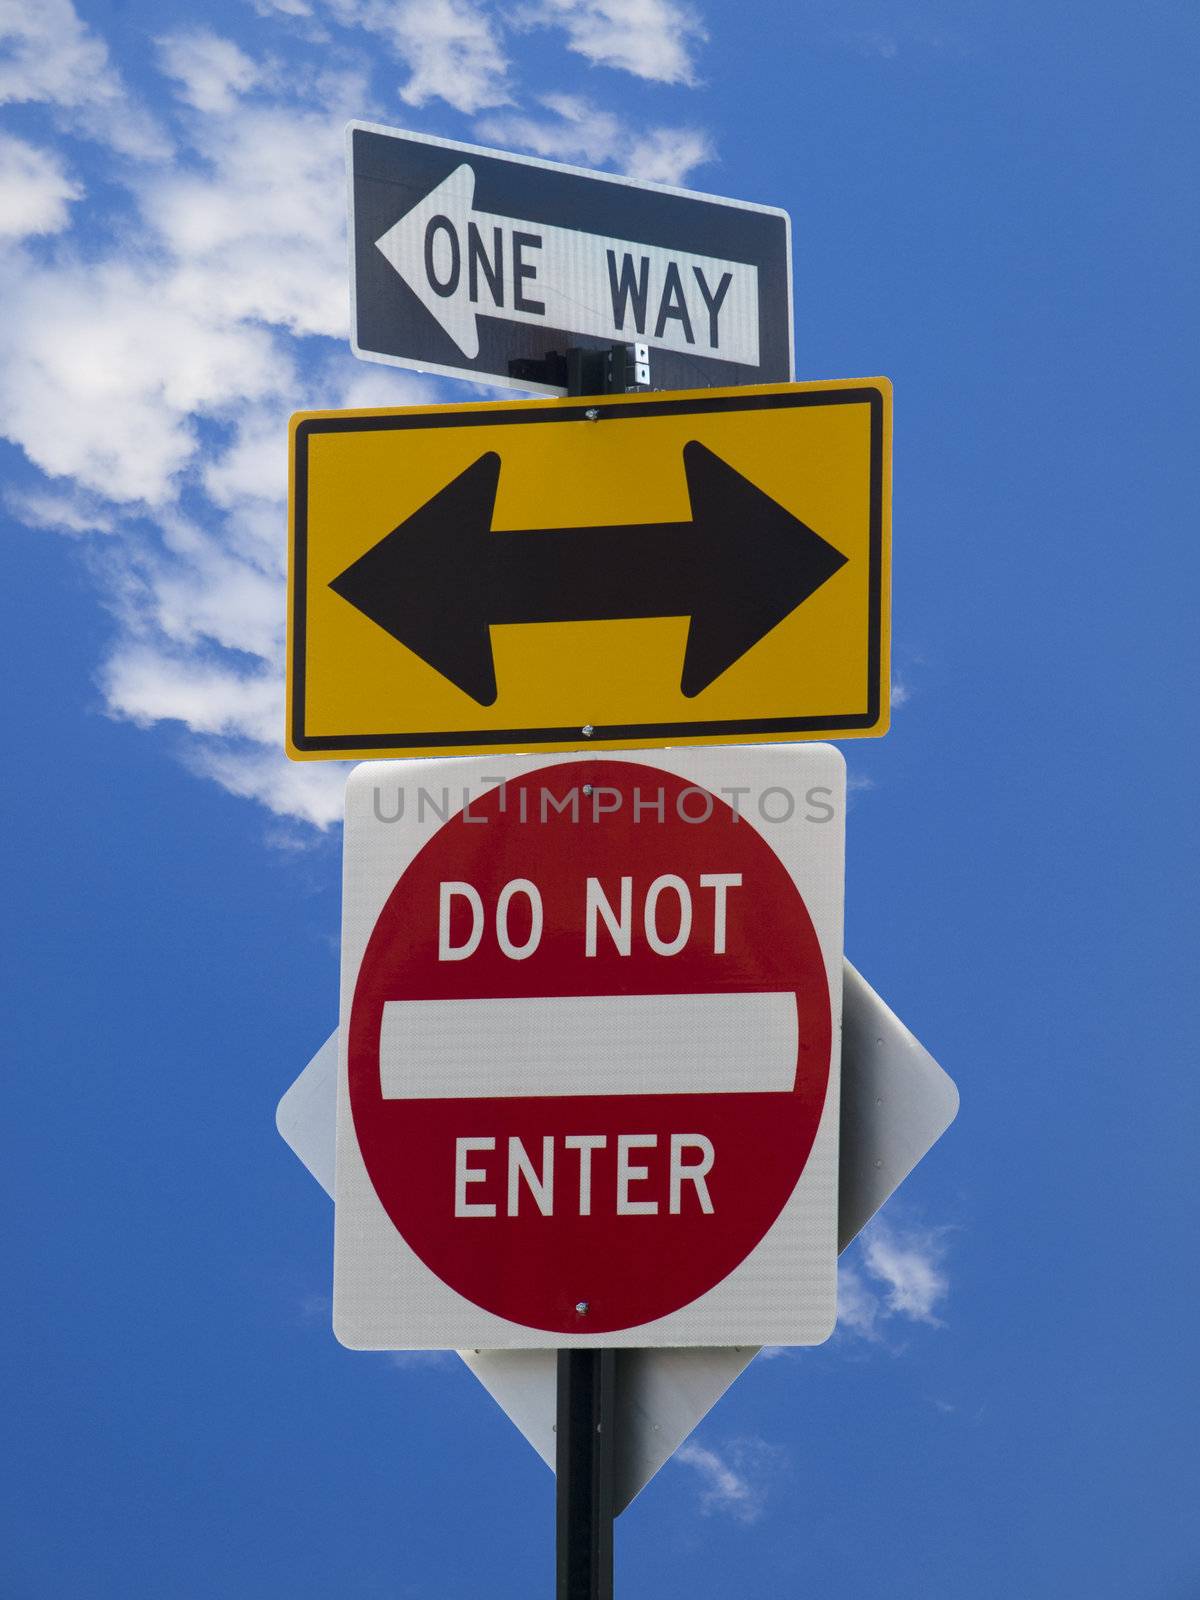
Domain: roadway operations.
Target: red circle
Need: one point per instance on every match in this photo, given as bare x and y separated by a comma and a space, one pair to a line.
536, 1270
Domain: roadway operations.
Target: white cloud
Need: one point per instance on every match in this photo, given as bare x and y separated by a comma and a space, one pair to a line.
254, 465
201, 606
212, 72
150, 379
737, 1483
858, 1309
198, 593
876, 43
49, 56
908, 1266
451, 47
149, 683
362, 386
577, 130
109, 364
668, 155
136, 377
454, 53
35, 191
651, 38
898, 1273
312, 791
104, 366
64, 511
858, 783
283, 8
257, 231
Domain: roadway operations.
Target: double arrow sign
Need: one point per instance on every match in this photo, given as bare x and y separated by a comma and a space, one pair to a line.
441, 579
427, 528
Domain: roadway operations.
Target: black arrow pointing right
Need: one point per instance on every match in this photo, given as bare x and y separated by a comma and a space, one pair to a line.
441, 579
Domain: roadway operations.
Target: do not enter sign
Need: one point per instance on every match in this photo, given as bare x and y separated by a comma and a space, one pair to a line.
589, 1013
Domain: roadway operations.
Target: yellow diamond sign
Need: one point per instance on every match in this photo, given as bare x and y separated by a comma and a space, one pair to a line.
688, 568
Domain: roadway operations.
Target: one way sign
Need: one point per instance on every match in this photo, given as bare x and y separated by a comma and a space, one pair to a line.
471, 261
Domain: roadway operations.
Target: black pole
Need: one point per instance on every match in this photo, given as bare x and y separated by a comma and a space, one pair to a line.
584, 1474
586, 1408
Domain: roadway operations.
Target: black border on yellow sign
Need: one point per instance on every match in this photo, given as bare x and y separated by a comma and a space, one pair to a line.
341, 744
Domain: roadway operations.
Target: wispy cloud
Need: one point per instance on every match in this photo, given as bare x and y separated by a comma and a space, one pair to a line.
212, 72
858, 784
35, 190
910, 35
49, 56
736, 1483
283, 8
874, 42
653, 39
61, 510
575, 129
451, 48
158, 332
859, 1309
909, 1268
106, 364
896, 1272
159, 373
310, 791
668, 155
250, 230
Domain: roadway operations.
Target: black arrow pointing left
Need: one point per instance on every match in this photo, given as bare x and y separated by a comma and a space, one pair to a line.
441, 579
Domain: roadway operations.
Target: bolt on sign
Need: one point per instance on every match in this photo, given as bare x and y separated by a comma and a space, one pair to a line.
705, 567
588, 1089
479, 263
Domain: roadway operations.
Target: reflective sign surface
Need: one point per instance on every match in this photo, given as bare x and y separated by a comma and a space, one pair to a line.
702, 567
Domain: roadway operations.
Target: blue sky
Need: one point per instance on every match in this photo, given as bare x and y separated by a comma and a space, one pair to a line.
991, 207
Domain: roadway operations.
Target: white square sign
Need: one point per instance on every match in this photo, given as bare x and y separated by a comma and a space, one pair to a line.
589, 1074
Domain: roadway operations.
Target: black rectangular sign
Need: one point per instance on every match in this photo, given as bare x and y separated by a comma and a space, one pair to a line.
477, 263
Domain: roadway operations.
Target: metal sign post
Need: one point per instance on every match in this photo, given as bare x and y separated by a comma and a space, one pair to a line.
480, 580
586, 1380
584, 1463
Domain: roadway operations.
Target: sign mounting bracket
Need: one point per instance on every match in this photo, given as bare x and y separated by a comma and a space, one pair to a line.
619, 369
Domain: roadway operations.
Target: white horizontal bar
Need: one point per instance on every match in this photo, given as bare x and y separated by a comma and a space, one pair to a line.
588, 1044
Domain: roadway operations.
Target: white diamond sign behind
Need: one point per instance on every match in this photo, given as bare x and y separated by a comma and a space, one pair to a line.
896, 1103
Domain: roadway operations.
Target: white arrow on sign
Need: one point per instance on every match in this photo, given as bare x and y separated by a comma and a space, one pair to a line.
896, 1104
462, 263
